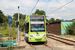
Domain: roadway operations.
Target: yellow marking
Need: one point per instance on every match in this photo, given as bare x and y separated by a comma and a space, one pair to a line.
63, 26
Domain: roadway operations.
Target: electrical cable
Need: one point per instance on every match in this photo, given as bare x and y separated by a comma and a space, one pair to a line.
34, 6
61, 7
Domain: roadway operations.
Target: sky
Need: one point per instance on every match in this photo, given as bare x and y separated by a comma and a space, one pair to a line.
9, 7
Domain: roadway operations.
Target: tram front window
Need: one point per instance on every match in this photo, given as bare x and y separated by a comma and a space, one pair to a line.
37, 27
36, 19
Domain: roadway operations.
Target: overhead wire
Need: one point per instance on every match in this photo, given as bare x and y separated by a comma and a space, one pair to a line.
61, 7
34, 6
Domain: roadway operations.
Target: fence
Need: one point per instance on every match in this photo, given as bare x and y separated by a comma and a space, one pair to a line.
5, 42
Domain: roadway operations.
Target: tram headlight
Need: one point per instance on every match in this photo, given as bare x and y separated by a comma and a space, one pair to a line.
31, 35
44, 35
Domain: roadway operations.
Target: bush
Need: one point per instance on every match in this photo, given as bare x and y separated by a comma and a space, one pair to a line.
70, 29
4, 25
5, 32
21, 23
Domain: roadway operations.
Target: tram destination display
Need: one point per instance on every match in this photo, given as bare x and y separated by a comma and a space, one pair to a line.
36, 17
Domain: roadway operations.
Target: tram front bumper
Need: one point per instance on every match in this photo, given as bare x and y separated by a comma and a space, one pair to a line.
38, 39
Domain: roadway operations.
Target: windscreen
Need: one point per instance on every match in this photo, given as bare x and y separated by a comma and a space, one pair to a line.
37, 23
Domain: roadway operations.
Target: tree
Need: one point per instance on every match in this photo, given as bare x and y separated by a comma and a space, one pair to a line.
47, 21
13, 23
4, 24
15, 16
39, 12
21, 23
21, 16
2, 17
57, 20
21, 20
51, 20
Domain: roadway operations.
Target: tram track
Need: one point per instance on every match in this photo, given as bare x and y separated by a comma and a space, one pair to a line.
61, 39
32, 46
48, 46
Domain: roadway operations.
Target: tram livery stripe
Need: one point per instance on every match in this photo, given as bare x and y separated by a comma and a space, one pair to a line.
37, 22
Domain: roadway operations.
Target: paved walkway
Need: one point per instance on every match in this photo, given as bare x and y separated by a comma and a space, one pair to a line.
44, 48
22, 41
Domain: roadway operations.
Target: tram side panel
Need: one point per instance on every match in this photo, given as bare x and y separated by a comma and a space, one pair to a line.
26, 31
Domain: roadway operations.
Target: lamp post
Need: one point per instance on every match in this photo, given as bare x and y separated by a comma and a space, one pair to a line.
18, 24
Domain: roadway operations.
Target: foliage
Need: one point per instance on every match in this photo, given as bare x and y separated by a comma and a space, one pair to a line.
70, 29
4, 25
57, 20
21, 20
18, 47
2, 17
21, 23
11, 48
13, 23
5, 32
51, 20
21, 16
48, 31
39, 12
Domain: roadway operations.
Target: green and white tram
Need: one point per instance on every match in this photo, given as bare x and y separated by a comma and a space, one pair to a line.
35, 28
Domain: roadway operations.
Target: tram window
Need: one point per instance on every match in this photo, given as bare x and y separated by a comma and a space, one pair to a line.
36, 19
37, 27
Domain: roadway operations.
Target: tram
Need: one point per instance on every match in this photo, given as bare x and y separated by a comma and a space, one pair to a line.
35, 28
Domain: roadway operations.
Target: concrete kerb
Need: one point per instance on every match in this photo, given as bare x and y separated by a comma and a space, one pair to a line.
14, 47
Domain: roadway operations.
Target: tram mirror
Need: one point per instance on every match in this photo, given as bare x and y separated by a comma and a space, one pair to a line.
47, 23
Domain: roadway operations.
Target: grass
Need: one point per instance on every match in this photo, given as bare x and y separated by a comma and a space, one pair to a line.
68, 36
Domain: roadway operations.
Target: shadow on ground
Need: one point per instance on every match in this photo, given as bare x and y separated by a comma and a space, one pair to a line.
36, 43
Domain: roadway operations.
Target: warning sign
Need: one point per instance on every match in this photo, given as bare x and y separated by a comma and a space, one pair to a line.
63, 26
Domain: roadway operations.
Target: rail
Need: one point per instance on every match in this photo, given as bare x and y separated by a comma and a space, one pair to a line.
48, 46
61, 39
32, 46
